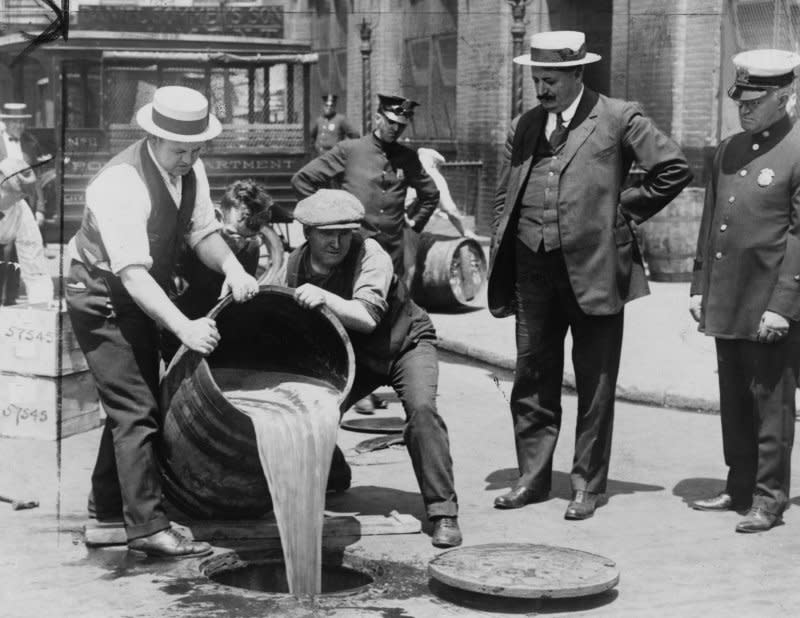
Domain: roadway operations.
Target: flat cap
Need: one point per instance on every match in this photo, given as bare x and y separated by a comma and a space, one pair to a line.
330, 209
760, 70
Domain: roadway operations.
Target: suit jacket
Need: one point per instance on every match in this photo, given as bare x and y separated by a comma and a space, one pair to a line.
748, 250
594, 215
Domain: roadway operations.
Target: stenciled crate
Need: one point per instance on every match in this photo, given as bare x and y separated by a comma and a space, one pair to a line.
29, 405
31, 340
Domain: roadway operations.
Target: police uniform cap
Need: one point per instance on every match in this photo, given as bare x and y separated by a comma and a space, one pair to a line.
759, 71
330, 209
396, 108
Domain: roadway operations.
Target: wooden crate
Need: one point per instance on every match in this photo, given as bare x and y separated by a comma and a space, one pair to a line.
29, 405
30, 342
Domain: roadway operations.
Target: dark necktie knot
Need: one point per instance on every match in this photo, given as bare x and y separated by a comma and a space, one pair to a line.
559, 134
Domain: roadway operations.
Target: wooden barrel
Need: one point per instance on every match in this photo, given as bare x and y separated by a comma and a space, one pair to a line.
450, 272
670, 237
208, 453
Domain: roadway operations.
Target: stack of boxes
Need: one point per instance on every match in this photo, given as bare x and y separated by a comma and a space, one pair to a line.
46, 390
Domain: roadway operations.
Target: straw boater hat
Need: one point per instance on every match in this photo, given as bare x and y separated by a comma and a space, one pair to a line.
556, 49
179, 114
14, 110
759, 71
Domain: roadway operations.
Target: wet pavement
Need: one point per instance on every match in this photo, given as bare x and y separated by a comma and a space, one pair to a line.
673, 561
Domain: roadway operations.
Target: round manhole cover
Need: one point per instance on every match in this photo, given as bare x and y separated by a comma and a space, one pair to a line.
525, 571
375, 424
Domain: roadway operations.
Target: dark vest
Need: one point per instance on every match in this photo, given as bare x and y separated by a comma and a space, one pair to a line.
402, 326
538, 218
165, 227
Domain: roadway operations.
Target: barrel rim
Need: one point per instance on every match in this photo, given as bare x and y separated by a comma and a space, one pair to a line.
288, 293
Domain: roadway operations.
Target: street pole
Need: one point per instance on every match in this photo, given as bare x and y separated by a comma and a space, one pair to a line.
365, 29
517, 36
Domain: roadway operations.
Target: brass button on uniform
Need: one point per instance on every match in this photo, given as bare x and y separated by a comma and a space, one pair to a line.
731, 199
743, 173
756, 146
718, 255
723, 227
797, 277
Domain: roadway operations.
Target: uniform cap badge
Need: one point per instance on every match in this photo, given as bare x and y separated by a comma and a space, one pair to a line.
765, 177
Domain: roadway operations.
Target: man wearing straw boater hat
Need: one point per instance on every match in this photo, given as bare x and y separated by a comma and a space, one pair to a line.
19, 144
393, 338
330, 127
141, 208
564, 257
746, 288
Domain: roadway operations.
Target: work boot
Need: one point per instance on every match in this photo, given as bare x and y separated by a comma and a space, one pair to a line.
446, 532
169, 543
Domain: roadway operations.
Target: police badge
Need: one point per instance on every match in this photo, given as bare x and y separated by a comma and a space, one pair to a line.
765, 177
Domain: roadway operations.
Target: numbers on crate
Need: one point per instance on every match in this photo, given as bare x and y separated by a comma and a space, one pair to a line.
29, 334
21, 414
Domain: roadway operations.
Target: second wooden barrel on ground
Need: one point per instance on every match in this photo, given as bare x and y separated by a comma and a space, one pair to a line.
450, 272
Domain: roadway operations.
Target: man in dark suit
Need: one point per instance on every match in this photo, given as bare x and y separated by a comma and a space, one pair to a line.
564, 256
746, 288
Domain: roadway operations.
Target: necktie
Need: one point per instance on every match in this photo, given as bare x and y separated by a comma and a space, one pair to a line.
559, 134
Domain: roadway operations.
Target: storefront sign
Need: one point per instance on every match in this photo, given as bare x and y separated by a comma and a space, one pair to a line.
260, 21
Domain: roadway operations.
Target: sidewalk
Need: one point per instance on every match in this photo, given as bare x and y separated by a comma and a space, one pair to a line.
665, 361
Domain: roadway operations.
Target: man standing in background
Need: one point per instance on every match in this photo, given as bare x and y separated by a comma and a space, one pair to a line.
330, 128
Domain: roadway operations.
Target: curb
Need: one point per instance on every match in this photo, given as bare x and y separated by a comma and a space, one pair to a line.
660, 398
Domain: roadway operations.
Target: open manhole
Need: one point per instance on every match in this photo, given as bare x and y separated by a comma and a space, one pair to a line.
269, 575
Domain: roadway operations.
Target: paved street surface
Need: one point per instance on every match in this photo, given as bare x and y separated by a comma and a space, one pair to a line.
673, 561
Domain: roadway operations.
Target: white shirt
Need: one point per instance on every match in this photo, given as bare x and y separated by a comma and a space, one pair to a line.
120, 203
566, 116
19, 226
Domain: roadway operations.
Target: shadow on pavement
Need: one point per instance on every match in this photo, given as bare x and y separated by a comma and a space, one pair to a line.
561, 486
373, 500
696, 488
506, 605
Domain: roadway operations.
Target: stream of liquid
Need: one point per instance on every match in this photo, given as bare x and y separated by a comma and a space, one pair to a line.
295, 420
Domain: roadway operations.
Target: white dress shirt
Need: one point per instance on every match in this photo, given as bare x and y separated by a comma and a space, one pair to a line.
13, 148
120, 203
566, 116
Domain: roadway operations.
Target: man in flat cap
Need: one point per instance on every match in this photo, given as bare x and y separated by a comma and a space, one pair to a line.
564, 257
746, 288
393, 338
141, 208
331, 127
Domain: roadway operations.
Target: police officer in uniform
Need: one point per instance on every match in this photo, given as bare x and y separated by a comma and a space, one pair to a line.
746, 288
393, 338
331, 127
378, 170
140, 208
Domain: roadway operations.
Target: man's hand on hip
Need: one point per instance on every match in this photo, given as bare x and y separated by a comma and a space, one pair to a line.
773, 327
695, 306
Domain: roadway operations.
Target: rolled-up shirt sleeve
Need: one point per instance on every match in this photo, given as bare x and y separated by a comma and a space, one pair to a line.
204, 220
120, 204
373, 278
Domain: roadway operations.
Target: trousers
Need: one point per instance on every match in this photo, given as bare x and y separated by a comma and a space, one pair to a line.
414, 375
546, 308
757, 383
120, 343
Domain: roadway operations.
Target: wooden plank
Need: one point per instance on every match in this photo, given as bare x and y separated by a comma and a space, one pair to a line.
335, 525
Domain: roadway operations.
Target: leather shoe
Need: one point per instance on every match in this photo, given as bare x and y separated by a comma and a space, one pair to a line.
721, 502
169, 543
446, 532
582, 505
516, 498
364, 406
757, 520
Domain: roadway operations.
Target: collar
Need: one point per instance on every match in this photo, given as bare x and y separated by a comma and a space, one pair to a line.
568, 114
773, 133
